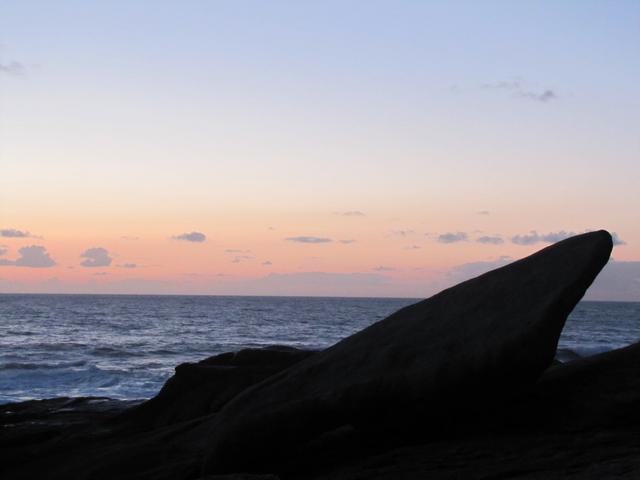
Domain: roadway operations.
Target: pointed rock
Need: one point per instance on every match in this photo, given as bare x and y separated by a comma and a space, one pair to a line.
475, 342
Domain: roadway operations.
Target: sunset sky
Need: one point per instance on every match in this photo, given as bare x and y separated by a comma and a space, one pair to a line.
312, 148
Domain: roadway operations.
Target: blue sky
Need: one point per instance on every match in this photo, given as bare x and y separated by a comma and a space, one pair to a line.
152, 119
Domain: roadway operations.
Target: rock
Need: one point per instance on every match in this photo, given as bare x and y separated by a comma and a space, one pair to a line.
580, 420
591, 393
37, 421
469, 346
202, 388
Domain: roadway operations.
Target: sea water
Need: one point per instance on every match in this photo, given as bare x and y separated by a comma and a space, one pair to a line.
126, 347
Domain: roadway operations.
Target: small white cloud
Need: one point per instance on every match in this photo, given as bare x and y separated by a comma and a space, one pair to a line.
267, 263
128, 265
528, 239
553, 237
544, 96
517, 88
14, 68
33, 256
96, 257
308, 239
196, 237
452, 237
13, 233
403, 233
469, 270
351, 213
617, 240
347, 241
490, 239
241, 258
534, 237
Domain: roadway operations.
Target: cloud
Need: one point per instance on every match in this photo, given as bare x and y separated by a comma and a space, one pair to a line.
236, 250
518, 89
544, 96
412, 247
128, 265
463, 272
617, 240
483, 212
33, 256
101, 274
240, 258
307, 239
351, 213
196, 237
13, 233
3, 250
128, 237
503, 85
530, 239
15, 69
382, 268
267, 263
96, 257
402, 233
534, 237
552, 237
491, 240
452, 237
347, 241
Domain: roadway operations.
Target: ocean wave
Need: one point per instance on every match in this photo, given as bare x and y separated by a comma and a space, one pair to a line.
59, 346
40, 366
20, 333
163, 351
70, 379
115, 352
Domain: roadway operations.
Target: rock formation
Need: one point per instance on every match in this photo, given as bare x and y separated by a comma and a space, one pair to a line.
482, 339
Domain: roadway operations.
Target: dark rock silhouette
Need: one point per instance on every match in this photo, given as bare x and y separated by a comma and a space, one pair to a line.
202, 388
482, 339
581, 420
457, 386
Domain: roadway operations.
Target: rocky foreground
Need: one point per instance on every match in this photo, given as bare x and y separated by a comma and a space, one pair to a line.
461, 385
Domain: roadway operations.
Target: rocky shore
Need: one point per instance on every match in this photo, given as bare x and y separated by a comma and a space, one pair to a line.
461, 385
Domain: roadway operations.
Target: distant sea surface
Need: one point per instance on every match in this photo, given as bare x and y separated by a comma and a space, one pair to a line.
127, 346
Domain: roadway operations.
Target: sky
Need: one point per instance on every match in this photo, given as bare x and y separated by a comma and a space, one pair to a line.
359, 148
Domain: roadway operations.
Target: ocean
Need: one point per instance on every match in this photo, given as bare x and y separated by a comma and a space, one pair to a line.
126, 347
